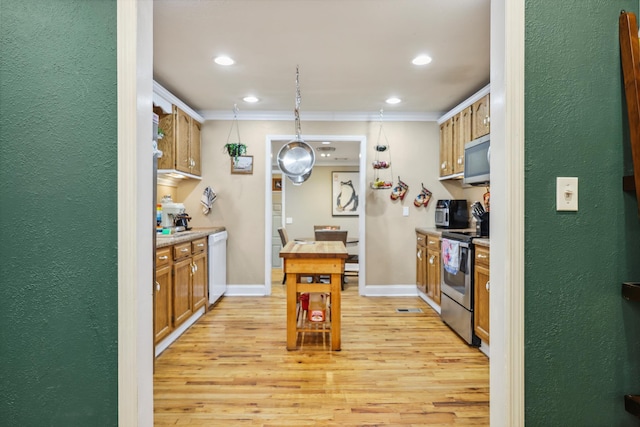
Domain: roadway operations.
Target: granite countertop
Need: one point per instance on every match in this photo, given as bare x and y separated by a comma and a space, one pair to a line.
163, 240
433, 231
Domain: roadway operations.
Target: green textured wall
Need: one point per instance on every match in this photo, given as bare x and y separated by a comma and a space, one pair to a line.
582, 339
58, 176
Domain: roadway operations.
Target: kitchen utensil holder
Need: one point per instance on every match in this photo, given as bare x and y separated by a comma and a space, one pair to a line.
482, 225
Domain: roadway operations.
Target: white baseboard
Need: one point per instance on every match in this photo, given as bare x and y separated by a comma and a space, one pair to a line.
390, 291
484, 347
429, 301
246, 291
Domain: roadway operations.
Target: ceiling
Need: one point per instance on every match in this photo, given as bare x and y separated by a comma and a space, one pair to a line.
352, 55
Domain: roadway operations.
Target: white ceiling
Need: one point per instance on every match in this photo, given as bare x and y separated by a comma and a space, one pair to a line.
352, 55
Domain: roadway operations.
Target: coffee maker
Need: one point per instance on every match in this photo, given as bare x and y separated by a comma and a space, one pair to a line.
171, 211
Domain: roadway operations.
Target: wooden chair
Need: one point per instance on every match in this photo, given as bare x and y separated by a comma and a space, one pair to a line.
338, 236
326, 227
284, 238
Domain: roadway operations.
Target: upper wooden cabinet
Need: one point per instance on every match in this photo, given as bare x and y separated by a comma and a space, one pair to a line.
446, 147
181, 142
481, 119
462, 135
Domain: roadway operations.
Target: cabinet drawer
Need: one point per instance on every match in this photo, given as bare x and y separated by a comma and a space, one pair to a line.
433, 243
163, 257
182, 250
482, 255
199, 245
421, 239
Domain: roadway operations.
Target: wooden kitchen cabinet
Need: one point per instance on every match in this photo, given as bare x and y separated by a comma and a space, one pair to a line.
162, 324
182, 308
199, 274
462, 135
181, 146
481, 118
481, 293
433, 268
446, 147
421, 261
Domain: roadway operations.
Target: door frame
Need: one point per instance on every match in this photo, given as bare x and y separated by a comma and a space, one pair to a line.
135, 343
270, 140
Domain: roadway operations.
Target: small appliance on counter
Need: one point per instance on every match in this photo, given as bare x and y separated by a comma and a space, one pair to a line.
170, 212
452, 214
181, 222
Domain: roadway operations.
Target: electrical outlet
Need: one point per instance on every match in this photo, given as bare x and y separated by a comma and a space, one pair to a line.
405, 211
566, 193
289, 220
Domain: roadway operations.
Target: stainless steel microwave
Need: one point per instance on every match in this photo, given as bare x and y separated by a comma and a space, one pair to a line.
477, 160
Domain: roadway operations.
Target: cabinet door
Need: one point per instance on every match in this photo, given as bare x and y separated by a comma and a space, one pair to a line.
181, 291
421, 262
194, 148
183, 125
199, 280
433, 275
162, 303
481, 118
462, 136
481, 306
446, 147
167, 143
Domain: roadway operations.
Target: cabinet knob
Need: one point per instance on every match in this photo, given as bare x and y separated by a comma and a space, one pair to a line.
157, 286
419, 254
200, 245
459, 160
481, 256
163, 257
184, 250
487, 286
431, 259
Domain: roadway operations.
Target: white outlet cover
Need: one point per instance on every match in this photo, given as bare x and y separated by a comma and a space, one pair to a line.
289, 220
566, 193
405, 211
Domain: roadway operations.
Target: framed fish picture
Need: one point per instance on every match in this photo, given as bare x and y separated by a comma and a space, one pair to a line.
345, 193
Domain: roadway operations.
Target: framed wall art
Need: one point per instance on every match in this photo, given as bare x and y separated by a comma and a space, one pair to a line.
345, 193
242, 165
276, 184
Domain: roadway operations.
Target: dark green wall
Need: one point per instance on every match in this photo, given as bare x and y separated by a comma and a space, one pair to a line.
58, 176
582, 339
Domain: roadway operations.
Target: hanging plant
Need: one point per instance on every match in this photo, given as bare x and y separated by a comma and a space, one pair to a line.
235, 149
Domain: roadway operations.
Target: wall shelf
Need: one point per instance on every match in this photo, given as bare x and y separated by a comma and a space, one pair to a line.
631, 291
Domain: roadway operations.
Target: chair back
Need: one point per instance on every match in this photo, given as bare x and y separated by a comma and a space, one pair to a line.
326, 227
332, 236
283, 236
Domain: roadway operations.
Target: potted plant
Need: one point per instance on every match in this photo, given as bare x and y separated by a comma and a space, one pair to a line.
235, 149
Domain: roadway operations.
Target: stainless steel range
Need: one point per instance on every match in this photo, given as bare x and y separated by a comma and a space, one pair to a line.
456, 302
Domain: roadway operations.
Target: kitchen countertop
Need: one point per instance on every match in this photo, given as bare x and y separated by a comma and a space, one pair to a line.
185, 236
433, 231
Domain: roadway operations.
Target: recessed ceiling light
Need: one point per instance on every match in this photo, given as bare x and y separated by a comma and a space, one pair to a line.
421, 60
223, 60
393, 100
250, 98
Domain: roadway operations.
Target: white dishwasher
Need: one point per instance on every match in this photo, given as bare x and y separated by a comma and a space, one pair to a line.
217, 265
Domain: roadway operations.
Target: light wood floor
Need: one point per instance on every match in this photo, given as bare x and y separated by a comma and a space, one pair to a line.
232, 369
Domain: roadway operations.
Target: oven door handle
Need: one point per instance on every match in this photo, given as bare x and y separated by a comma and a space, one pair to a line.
464, 255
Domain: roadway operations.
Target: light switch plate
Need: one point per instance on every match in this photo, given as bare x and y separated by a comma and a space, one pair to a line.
405, 211
566, 193
289, 220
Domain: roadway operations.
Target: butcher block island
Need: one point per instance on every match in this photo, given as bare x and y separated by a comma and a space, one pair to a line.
313, 259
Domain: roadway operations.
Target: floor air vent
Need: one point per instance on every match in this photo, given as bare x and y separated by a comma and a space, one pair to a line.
408, 310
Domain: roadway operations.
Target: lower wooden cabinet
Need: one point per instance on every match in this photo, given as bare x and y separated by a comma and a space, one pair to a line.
181, 286
428, 265
433, 270
162, 324
421, 261
481, 293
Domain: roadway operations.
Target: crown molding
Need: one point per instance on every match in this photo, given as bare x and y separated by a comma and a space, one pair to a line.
168, 97
323, 116
464, 104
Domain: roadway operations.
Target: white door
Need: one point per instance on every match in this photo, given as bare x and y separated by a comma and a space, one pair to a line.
276, 222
